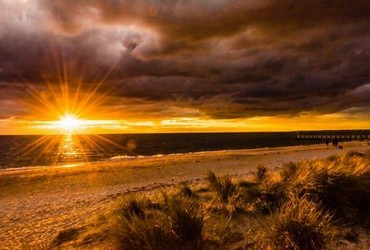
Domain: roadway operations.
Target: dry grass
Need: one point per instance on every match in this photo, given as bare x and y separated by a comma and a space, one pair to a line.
306, 205
176, 223
299, 224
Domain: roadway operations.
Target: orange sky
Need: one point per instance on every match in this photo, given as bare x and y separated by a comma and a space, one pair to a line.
187, 124
58, 110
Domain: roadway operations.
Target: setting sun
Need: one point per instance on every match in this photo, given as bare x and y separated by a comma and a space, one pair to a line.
69, 123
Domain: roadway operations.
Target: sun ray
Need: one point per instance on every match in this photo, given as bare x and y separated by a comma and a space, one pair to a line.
64, 104
39, 148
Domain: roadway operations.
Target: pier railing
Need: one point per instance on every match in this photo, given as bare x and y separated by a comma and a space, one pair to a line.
312, 136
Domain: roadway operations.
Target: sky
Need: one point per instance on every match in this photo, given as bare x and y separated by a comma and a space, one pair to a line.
147, 66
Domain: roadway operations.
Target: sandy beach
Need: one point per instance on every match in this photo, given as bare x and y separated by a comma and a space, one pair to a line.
38, 202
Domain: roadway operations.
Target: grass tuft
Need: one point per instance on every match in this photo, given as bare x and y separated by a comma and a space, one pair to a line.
345, 194
289, 170
260, 174
299, 224
187, 192
65, 236
271, 198
131, 209
177, 225
187, 223
350, 154
222, 186
144, 234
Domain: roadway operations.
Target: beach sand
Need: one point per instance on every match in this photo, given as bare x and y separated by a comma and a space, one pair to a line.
36, 203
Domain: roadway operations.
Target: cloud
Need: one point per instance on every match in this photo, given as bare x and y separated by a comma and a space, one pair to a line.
225, 59
207, 18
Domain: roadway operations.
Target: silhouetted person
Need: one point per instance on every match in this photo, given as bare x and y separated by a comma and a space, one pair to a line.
335, 142
327, 143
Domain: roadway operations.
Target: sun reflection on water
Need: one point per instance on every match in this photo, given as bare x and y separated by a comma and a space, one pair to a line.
68, 145
67, 149
70, 149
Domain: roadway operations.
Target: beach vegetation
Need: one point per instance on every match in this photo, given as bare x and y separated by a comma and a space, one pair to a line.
260, 174
307, 205
65, 236
298, 224
222, 186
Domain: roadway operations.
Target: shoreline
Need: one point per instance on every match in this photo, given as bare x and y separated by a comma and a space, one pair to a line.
124, 158
166, 168
37, 203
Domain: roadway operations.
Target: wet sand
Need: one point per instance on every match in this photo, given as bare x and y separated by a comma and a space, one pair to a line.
38, 202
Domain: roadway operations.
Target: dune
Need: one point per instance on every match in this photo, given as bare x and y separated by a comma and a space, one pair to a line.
38, 202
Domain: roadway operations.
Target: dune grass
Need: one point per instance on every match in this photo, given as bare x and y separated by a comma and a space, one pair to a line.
305, 205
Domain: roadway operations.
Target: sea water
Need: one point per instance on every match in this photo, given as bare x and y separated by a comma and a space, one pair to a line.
25, 151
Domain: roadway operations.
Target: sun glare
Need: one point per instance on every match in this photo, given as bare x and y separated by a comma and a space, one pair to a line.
69, 123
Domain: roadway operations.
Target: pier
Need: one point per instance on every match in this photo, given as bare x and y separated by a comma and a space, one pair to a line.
340, 135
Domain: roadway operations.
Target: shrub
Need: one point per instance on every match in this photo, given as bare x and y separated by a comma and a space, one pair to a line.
288, 170
177, 225
223, 187
246, 184
272, 196
133, 209
150, 234
265, 195
187, 223
260, 174
249, 194
65, 236
354, 154
339, 191
187, 192
299, 224
333, 158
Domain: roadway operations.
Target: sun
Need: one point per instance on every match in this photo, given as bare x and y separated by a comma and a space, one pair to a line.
69, 123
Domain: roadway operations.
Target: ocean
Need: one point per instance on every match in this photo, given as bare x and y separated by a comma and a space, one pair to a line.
24, 151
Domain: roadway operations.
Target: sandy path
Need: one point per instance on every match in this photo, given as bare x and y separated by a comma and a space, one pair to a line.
35, 204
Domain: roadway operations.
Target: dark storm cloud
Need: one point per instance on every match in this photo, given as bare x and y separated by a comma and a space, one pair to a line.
207, 18
226, 58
